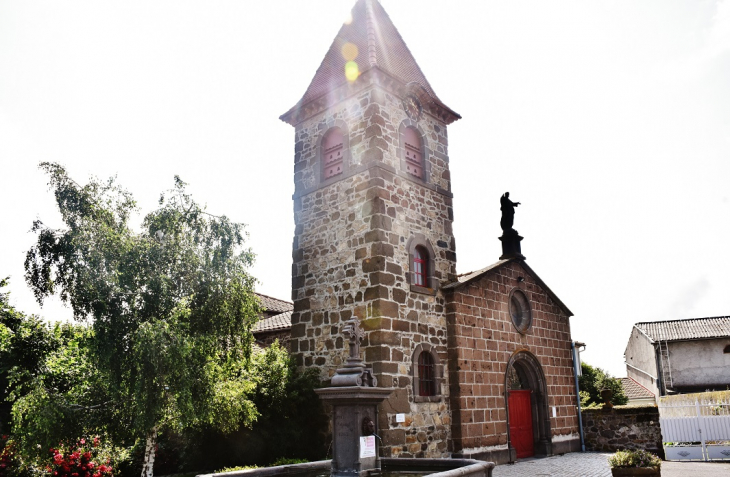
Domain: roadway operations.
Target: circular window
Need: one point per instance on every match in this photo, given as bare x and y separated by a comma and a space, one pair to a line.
519, 310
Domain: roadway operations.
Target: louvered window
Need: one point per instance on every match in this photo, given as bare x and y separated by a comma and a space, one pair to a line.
333, 151
413, 152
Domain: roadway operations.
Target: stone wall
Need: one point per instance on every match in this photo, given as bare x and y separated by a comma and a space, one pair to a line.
351, 259
623, 427
265, 340
484, 340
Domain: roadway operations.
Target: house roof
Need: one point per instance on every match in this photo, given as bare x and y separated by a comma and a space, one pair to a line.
274, 305
466, 278
278, 322
378, 45
634, 390
687, 329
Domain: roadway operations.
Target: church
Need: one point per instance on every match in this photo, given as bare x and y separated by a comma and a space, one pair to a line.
480, 362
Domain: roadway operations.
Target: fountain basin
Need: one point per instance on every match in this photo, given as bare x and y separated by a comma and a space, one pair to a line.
390, 467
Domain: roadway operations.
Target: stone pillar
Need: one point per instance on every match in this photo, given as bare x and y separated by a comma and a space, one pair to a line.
353, 408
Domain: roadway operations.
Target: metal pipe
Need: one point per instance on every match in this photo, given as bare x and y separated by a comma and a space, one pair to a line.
577, 396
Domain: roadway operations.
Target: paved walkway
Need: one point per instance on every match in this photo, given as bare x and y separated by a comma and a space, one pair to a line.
576, 464
594, 464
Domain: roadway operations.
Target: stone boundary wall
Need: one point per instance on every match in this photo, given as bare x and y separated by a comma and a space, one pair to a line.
623, 427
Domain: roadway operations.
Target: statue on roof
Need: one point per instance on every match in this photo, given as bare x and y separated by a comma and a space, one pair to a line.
508, 212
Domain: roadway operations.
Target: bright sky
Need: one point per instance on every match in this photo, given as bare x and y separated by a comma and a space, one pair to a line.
609, 121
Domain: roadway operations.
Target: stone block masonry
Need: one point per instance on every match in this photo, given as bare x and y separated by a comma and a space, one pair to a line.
351, 259
623, 427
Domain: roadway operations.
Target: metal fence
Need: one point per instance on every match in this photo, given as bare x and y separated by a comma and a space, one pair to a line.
696, 426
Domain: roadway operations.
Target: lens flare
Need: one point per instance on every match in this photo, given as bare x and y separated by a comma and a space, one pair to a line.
352, 71
349, 51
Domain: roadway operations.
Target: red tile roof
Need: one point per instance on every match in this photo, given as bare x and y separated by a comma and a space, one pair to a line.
279, 322
688, 329
378, 44
274, 305
634, 390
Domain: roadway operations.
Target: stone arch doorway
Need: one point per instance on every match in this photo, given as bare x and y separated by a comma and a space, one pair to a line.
526, 399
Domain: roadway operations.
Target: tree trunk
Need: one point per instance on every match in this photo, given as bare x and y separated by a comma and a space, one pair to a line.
149, 453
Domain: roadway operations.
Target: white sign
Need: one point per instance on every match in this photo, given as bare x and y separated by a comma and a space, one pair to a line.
555, 413
367, 446
400, 418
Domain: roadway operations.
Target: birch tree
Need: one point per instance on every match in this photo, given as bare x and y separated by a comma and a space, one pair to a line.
171, 306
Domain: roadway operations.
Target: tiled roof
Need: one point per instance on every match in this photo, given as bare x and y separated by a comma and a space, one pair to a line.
634, 390
275, 323
274, 304
378, 45
688, 329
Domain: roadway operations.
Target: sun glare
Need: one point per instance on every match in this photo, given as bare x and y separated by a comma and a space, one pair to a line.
349, 51
352, 71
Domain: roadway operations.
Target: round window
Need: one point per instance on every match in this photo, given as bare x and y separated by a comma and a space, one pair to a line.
519, 310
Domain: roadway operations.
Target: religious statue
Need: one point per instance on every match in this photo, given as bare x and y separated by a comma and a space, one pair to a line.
508, 212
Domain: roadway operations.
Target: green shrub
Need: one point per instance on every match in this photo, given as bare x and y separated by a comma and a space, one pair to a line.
634, 458
287, 461
592, 380
234, 469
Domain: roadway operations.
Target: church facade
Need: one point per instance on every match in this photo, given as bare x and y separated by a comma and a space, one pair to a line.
480, 363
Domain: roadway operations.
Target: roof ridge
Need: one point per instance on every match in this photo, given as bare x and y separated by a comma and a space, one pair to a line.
370, 28
682, 319
273, 298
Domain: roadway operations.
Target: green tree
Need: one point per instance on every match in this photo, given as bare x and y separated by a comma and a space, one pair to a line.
171, 306
24, 342
48, 382
593, 380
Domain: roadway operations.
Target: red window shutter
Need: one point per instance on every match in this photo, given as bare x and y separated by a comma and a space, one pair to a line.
420, 264
333, 152
413, 152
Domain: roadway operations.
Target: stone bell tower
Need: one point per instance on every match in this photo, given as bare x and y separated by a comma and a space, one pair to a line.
373, 237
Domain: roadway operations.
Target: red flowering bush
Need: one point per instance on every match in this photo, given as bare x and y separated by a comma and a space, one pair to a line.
8, 457
83, 459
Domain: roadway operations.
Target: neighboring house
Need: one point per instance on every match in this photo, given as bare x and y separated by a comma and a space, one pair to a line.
480, 363
274, 323
680, 356
638, 395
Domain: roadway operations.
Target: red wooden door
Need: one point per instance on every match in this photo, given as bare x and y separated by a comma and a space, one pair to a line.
520, 423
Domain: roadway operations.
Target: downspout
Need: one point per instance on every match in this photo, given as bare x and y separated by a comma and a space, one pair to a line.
577, 396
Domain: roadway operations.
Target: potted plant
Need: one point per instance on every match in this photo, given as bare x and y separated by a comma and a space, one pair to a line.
635, 462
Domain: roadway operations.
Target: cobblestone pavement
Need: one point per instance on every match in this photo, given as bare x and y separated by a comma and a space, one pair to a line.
594, 464
576, 464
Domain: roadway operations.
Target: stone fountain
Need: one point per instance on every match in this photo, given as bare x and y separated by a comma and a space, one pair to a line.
354, 398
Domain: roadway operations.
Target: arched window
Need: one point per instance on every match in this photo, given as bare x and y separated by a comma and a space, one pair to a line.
422, 277
420, 266
413, 152
333, 152
426, 373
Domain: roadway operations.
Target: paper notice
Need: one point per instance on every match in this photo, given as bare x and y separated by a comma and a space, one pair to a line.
367, 446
